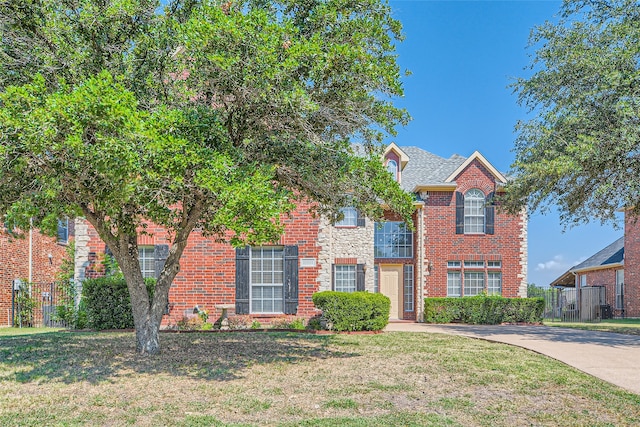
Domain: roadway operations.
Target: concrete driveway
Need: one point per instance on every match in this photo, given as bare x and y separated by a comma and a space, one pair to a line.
612, 357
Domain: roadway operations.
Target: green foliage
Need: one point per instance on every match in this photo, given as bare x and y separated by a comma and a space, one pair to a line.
483, 310
107, 301
353, 311
534, 291
25, 304
201, 114
256, 325
580, 151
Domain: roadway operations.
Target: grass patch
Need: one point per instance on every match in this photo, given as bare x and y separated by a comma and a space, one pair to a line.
618, 326
281, 379
14, 332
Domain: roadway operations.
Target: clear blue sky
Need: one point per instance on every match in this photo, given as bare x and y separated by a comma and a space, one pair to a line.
463, 55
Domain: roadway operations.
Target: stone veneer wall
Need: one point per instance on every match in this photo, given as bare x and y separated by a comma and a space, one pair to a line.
345, 245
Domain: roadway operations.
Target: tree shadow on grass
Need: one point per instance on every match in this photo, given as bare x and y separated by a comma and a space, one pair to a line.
71, 357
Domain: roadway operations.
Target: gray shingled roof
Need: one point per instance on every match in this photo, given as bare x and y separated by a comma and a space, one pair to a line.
426, 168
612, 254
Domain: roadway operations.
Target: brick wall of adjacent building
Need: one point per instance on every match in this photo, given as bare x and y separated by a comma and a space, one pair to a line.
507, 244
632, 266
14, 264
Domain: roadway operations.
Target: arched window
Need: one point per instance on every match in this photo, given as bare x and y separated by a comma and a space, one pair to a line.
474, 209
392, 167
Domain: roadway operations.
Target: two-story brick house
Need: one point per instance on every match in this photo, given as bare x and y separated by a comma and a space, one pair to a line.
460, 245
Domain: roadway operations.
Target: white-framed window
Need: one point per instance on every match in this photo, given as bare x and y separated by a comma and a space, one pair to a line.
468, 278
392, 167
453, 284
393, 240
583, 280
345, 278
146, 258
494, 283
473, 283
474, 208
474, 264
267, 278
63, 230
408, 287
619, 289
350, 218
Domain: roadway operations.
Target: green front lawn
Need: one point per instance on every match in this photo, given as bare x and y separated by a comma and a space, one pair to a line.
620, 326
390, 379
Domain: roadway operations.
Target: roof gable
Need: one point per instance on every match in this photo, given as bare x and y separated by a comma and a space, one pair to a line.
479, 157
404, 158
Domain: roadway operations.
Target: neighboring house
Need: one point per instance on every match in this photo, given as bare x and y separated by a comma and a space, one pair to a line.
616, 268
461, 245
33, 258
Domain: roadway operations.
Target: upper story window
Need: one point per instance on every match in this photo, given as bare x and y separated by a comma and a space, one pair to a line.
63, 230
393, 240
474, 207
392, 167
350, 218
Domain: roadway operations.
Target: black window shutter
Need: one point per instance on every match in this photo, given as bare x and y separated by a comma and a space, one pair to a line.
360, 221
489, 215
242, 280
333, 277
290, 279
360, 277
160, 254
459, 213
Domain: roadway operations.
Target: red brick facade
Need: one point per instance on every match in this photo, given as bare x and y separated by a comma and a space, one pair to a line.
632, 267
207, 277
442, 244
15, 263
207, 268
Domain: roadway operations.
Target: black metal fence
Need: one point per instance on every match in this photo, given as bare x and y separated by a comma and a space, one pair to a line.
35, 304
587, 304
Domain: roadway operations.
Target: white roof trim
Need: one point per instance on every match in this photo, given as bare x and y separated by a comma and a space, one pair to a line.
485, 163
404, 159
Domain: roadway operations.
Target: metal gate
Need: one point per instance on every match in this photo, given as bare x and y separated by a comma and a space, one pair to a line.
587, 304
35, 304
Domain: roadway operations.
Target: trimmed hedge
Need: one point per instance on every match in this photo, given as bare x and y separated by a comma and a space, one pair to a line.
108, 304
483, 310
353, 311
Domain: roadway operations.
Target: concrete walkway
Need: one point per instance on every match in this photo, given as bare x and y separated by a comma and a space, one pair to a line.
612, 357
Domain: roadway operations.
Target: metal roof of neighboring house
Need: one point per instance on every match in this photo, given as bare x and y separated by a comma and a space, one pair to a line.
610, 256
426, 168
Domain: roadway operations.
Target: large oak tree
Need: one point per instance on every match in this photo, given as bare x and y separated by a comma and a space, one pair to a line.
581, 150
206, 115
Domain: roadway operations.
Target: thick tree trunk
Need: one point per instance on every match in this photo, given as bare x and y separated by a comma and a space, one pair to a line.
147, 315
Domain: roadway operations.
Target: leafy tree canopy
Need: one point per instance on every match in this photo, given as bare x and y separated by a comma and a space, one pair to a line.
202, 114
581, 150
